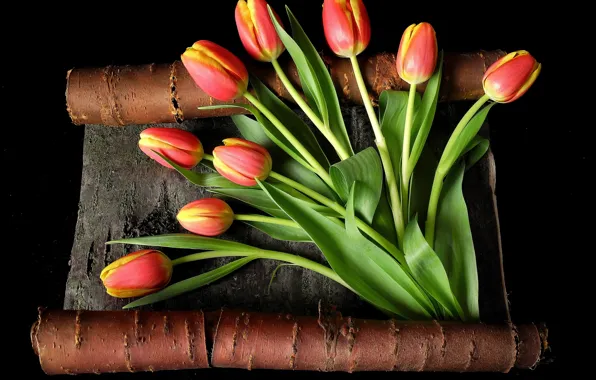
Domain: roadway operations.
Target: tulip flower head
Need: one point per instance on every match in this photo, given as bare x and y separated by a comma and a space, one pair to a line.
177, 145
511, 76
346, 26
417, 54
207, 217
216, 70
137, 274
256, 30
241, 161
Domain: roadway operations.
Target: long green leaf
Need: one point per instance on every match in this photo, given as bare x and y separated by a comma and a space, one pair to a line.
454, 244
334, 119
364, 167
425, 115
291, 121
422, 181
308, 79
282, 163
463, 140
350, 257
475, 150
186, 241
201, 179
282, 232
428, 270
383, 220
192, 283
392, 108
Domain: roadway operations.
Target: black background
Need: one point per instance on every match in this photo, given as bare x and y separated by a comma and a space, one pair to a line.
42, 150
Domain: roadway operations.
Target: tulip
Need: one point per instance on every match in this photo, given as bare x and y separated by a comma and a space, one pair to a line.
511, 76
242, 161
256, 30
346, 26
207, 217
137, 274
177, 145
417, 54
216, 70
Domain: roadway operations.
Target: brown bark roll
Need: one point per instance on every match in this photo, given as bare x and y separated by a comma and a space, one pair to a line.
70, 342
163, 93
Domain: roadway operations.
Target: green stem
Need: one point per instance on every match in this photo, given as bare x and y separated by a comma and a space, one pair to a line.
266, 219
207, 157
324, 129
405, 157
270, 255
441, 172
383, 242
396, 208
291, 139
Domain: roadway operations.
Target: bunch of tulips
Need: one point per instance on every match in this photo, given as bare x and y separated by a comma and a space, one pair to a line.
408, 260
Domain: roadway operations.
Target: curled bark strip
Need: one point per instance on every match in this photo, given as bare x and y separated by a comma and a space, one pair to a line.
129, 341
165, 93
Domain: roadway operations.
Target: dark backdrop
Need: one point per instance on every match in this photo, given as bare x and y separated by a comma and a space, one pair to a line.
42, 150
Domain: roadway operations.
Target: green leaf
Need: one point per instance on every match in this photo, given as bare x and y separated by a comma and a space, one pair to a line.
427, 269
392, 108
364, 167
421, 184
383, 220
282, 163
308, 80
192, 283
475, 150
186, 241
291, 121
464, 139
247, 107
454, 244
351, 257
200, 179
334, 119
281, 232
425, 115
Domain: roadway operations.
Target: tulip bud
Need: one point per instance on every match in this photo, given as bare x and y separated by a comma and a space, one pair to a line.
207, 217
256, 30
216, 70
346, 26
137, 274
511, 76
242, 161
177, 145
417, 54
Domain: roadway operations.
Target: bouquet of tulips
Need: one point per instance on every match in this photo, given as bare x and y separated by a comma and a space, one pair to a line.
394, 232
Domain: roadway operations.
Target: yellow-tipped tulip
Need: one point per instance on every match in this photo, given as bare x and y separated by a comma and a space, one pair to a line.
137, 274
346, 26
417, 54
177, 145
511, 76
257, 33
241, 161
207, 217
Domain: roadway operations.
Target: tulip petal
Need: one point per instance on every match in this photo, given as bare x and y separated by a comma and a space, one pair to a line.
339, 27
231, 174
247, 33
186, 159
207, 216
173, 136
265, 31
224, 57
362, 22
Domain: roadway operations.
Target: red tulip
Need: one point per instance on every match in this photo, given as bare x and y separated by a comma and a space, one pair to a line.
511, 76
347, 27
137, 274
242, 161
417, 54
256, 30
207, 217
177, 145
216, 70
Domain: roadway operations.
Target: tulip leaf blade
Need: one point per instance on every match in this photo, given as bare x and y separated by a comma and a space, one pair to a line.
425, 115
475, 150
281, 232
310, 84
186, 241
334, 120
364, 167
454, 244
428, 269
383, 220
282, 163
349, 256
291, 121
201, 179
192, 283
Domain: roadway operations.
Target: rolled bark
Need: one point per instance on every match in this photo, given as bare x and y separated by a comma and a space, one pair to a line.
165, 93
71, 342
